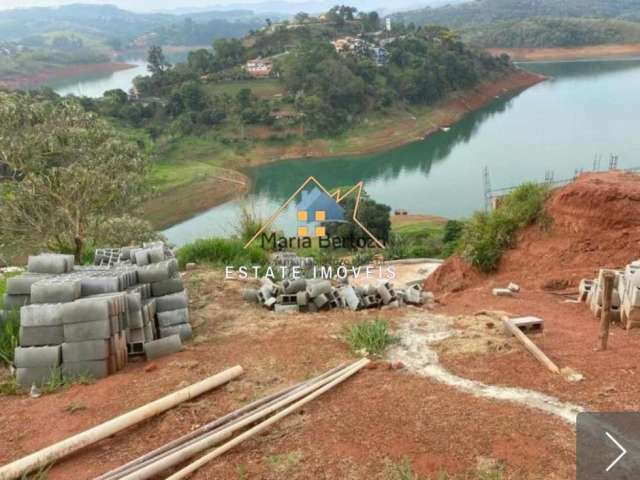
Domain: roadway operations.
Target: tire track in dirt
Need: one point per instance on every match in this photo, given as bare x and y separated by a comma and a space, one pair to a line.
418, 333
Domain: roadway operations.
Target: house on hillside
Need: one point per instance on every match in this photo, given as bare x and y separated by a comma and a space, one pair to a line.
379, 55
259, 68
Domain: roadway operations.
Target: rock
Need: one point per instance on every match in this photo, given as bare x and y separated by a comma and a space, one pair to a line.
151, 367
514, 287
397, 365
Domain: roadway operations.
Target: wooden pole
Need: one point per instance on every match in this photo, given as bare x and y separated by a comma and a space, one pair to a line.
59, 450
529, 345
608, 279
209, 428
179, 456
189, 469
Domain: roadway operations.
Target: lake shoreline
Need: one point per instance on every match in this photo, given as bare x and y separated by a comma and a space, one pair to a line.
590, 52
61, 73
184, 205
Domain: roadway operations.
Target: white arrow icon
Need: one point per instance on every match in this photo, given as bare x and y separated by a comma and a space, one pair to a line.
624, 452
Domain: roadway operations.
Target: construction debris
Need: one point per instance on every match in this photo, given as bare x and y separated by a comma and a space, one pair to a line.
625, 299
512, 327
87, 320
311, 295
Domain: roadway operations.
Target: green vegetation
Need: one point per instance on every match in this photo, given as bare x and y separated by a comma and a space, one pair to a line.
488, 234
221, 252
404, 471
9, 336
424, 239
555, 32
540, 24
284, 463
371, 336
78, 179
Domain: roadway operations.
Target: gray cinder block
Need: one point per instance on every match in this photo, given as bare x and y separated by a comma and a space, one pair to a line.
163, 346
142, 257
98, 285
41, 315
50, 291
89, 368
25, 377
40, 336
156, 272
320, 300
176, 301
136, 319
349, 297
294, 286
87, 310
319, 288
50, 263
83, 331
21, 284
89, 350
302, 298
26, 357
173, 317
184, 330
278, 308
135, 335
156, 254
167, 287
15, 302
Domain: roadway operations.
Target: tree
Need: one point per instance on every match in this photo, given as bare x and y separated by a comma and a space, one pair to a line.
201, 61
76, 174
229, 53
373, 215
157, 63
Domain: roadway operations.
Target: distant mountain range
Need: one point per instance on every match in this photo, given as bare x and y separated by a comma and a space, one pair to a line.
109, 21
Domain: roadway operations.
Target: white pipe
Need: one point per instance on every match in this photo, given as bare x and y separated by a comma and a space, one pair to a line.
189, 469
72, 444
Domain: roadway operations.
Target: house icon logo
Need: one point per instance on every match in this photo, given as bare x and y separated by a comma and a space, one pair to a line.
316, 207
314, 210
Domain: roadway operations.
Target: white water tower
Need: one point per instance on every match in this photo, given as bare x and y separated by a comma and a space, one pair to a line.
388, 24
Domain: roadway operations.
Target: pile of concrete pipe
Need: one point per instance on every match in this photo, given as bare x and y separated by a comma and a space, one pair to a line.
625, 298
87, 320
312, 295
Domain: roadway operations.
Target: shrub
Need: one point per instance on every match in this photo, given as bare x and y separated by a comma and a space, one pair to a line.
486, 236
372, 336
221, 252
9, 337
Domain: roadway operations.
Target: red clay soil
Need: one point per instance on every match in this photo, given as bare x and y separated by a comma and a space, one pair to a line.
596, 224
378, 418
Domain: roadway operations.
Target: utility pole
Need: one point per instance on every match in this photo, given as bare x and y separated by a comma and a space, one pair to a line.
613, 162
487, 188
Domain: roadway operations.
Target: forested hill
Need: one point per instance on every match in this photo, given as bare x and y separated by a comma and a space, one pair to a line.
108, 22
483, 12
536, 23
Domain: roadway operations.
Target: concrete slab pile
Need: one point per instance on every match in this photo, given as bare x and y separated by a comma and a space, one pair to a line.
311, 295
625, 300
97, 315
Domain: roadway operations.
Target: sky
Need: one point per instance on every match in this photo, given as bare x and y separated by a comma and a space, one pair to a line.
132, 5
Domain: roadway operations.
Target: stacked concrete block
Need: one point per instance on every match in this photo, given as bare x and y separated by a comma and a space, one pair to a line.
98, 315
57, 289
163, 346
172, 322
93, 336
41, 325
18, 292
36, 365
312, 295
52, 263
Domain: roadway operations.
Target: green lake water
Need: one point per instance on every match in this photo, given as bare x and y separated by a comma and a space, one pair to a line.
586, 109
